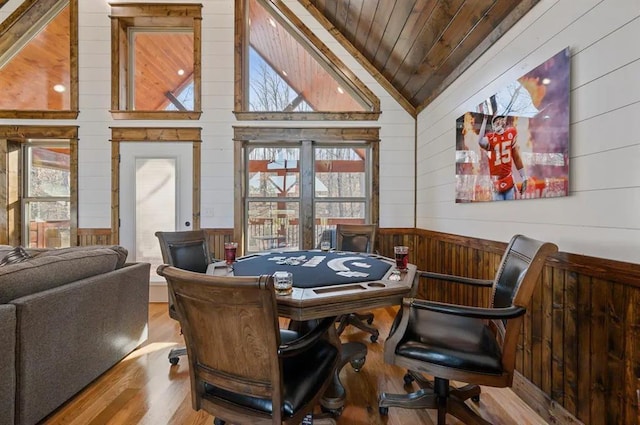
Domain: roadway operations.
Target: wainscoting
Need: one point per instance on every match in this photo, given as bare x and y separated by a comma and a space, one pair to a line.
579, 354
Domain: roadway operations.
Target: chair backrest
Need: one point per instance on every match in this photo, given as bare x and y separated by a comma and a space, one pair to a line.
513, 285
186, 250
231, 329
356, 237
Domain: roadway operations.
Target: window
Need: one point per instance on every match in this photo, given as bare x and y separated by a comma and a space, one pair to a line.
41, 164
39, 60
283, 71
294, 187
46, 204
156, 70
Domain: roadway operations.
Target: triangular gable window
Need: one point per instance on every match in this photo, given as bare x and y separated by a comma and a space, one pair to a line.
285, 72
38, 45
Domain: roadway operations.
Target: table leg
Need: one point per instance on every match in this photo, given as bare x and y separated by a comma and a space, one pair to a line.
354, 353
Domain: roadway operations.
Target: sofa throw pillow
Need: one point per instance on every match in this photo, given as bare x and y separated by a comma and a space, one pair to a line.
16, 255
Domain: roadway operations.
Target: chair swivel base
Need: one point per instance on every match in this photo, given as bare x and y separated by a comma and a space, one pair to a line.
436, 395
175, 353
358, 320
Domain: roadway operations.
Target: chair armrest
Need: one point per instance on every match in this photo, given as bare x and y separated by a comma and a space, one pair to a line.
458, 279
309, 339
468, 311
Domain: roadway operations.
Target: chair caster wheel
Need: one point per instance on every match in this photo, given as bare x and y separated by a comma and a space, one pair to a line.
475, 399
370, 320
333, 412
374, 337
174, 360
357, 364
217, 421
384, 411
408, 379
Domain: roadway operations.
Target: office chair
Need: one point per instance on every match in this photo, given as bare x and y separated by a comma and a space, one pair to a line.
356, 238
243, 368
186, 250
469, 344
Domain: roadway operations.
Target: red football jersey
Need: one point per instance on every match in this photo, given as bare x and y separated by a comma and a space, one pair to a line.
500, 148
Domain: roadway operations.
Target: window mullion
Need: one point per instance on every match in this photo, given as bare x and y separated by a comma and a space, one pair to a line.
307, 176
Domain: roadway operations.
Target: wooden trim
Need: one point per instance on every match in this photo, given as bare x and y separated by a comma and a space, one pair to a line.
141, 9
158, 115
306, 133
73, 195
4, 183
159, 135
306, 116
359, 57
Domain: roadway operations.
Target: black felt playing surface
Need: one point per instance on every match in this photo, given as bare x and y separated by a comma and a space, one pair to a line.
309, 277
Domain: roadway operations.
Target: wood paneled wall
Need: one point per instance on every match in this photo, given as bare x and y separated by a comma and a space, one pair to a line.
579, 354
217, 238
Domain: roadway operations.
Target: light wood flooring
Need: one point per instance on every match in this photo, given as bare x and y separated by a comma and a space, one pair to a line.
145, 389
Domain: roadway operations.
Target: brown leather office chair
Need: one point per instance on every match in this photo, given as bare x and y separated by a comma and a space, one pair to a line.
469, 344
186, 250
357, 238
243, 367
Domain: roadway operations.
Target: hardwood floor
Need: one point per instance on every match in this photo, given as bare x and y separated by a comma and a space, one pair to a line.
145, 389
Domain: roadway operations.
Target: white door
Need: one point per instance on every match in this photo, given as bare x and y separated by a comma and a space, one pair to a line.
156, 191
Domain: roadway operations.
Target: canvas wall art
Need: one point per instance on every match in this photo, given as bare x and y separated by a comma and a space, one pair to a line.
515, 145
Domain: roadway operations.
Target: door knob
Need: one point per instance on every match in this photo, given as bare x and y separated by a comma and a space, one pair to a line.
187, 224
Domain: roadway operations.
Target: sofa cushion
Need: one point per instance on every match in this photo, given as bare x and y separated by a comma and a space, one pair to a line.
49, 271
16, 255
120, 250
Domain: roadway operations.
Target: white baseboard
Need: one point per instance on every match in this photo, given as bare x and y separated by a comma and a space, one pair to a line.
158, 292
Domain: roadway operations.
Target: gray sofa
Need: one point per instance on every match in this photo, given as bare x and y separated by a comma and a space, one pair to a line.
66, 316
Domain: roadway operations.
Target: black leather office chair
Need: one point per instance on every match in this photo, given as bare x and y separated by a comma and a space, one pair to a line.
243, 367
474, 345
187, 250
357, 238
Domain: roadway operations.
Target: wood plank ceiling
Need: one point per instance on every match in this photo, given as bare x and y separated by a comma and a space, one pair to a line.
414, 48
417, 48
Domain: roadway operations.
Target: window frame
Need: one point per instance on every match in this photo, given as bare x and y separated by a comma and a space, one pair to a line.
313, 137
312, 43
12, 137
24, 18
152, 16
28, 198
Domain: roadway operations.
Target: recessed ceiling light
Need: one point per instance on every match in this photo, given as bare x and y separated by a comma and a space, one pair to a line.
284, 73
272, 22
181, 72
340, 90
546, 81
59, 88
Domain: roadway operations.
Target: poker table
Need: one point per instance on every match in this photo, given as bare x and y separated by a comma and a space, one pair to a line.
327, 283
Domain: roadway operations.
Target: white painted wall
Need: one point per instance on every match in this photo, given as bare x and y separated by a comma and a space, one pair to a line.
397, 127
601, 217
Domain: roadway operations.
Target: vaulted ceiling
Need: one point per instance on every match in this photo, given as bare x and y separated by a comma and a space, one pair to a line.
414, 48
417, 48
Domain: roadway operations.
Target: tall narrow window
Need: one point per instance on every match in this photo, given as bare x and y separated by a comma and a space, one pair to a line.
293, 189
156, 71
39, 60
284, 72
47, 202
